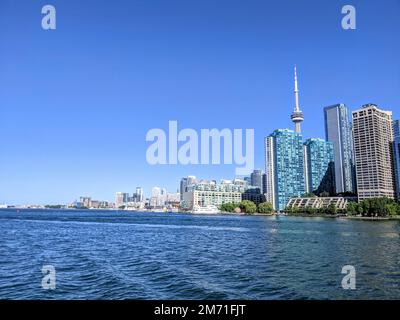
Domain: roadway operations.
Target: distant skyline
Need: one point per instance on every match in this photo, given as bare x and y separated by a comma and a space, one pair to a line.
76, 102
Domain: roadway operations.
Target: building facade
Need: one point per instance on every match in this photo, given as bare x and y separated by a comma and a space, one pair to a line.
256, 178
264, 183
185, 183
206, 193
319, 166
318, 203
338, 131
254, 195
158, 197
139, 194
396, 153
373, 143
284, 167
121, 198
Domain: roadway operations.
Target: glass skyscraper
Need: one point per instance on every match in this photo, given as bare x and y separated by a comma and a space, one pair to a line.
284, 167
396, 151
319, 166
338, 131
256, 178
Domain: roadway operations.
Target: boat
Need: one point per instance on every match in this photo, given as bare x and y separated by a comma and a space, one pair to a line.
210, 209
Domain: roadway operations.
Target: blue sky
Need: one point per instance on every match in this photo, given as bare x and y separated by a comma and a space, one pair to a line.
76, 103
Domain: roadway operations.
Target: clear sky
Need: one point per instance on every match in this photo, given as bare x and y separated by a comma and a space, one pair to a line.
76, 102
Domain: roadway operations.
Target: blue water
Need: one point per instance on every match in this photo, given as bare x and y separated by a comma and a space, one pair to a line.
125, 255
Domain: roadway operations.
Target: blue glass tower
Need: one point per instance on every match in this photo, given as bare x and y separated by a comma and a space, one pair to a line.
284, 167
319, 166
396, 151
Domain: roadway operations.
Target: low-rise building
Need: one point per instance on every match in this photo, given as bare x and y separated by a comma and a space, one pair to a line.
254, 195
207, 193
319, 202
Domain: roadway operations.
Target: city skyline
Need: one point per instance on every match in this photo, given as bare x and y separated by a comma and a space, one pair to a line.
78, 127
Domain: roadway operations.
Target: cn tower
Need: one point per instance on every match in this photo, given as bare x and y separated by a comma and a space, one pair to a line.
297, 115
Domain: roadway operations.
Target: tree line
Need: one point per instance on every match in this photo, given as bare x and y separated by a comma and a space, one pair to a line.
248, 207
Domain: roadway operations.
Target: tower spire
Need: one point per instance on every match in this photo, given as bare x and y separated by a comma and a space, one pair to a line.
296, 90
297, 116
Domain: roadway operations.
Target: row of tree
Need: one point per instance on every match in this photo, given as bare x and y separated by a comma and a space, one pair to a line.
330, 210
375, 207
248, 207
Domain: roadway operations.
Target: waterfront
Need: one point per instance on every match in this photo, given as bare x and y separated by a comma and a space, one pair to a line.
131, 255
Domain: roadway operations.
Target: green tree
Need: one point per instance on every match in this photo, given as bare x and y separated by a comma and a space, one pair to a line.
379, 207
324, 194
265, 207
248, 207
331, 209
391, 209
228, 207
310, 210
352, 208
309, 195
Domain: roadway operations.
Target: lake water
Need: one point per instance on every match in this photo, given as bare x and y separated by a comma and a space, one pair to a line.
127, 255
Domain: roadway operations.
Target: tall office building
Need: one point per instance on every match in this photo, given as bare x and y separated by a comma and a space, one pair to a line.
256, 178
158, 197
139, 194
319, 166
373, 139
284, 167
85, 201
185, 183
121, 198
338, 131
396, 152
264, 183
297, 115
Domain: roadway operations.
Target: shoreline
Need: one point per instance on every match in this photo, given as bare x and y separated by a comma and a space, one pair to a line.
344, 217
391, 218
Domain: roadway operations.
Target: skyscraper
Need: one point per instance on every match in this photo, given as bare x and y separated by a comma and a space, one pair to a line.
256, 178
338, 131
396, 152
264, 183
185, 183
139, 194
121, 198
284, 167
297, 115
373, 139
158, 197
319, 166
85, 201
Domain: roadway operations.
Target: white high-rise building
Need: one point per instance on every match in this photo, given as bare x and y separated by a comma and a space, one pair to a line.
139, 194
158, 197
121, 198
373, 138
